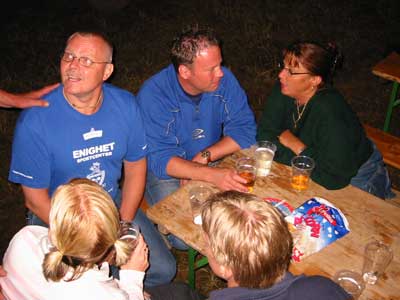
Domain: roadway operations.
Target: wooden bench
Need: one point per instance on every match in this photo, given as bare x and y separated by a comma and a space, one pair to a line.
387, 144
389, 68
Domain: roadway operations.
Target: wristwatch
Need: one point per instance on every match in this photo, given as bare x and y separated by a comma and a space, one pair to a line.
205, 154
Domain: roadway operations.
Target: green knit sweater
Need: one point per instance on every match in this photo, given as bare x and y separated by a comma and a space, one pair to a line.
330, 129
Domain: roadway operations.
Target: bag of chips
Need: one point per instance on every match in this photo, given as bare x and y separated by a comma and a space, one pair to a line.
314, 225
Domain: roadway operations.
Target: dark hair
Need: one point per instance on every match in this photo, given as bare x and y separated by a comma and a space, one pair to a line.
317, 59
190, 42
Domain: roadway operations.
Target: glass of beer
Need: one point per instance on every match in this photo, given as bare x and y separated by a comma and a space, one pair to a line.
302, 167
264, 154
246, 168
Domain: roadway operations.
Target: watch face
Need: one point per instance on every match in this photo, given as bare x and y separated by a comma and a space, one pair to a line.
205, 154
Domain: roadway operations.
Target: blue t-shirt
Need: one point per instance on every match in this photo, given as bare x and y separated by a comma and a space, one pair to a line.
55, 144
178, 126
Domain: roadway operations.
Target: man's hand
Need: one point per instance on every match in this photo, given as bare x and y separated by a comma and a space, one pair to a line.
227, 179
139, 257
27, 99
292, 142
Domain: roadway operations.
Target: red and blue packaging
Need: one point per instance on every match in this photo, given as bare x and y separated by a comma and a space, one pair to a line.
314, 225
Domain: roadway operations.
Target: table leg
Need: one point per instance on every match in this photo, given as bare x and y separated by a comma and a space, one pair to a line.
392, 103
191, 276
193, 266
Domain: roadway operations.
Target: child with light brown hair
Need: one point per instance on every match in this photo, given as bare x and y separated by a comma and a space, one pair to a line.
250, 247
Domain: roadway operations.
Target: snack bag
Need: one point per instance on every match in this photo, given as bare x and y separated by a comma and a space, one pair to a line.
314, 225
283, 206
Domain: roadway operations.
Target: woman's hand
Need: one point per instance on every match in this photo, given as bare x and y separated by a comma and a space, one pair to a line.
291, 141
139, 257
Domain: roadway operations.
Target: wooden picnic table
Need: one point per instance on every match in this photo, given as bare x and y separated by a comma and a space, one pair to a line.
369, 217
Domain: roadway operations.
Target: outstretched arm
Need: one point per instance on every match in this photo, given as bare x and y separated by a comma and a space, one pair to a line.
219, 150
27, 99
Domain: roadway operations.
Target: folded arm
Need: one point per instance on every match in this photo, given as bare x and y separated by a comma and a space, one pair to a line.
223, 178
38, 202
133, 187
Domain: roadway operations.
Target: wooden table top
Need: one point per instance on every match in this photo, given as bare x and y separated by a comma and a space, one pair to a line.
389, 67
368, 216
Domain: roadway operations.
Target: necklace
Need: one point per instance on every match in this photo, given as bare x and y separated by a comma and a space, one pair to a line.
299, 113
74, 106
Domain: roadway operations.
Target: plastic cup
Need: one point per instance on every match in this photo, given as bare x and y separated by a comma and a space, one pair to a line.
352, 282
377, 257
302, 167
264, 152
197, 196
246, 168
130, 231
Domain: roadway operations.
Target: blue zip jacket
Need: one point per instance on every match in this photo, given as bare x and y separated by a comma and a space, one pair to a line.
178, 126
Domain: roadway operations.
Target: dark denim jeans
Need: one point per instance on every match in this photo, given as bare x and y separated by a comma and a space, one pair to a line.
373, 176
156, 190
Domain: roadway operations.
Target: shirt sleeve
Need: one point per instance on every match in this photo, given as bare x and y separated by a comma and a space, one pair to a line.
332, 149
137, 142
274, 121
30, 163
239, 121
132, 283
160, 125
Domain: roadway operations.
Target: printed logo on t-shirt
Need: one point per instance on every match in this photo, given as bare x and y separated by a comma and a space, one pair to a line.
93, 133
94, 152
97, 174
198, 133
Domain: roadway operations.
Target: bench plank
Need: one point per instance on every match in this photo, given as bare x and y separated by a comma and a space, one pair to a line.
387, 144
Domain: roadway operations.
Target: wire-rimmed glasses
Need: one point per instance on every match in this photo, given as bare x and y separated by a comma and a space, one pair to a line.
84, 61
282, 66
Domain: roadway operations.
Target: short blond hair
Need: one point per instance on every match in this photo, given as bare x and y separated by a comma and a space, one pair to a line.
84, 230
92, 34
249, 236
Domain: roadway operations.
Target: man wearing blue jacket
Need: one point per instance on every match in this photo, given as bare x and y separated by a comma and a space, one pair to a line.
195, 113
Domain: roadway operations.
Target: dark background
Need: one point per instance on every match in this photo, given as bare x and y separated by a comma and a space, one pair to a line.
33, 35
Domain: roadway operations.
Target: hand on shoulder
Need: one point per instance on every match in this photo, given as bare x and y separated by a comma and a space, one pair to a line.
26, 100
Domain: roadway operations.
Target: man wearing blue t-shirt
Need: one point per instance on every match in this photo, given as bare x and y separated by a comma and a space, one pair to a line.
90, 130
195, 112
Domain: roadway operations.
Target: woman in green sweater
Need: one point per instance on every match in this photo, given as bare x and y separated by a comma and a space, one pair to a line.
306, 115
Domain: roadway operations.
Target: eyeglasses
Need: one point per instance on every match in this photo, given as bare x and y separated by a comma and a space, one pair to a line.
84, 61
291, 73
